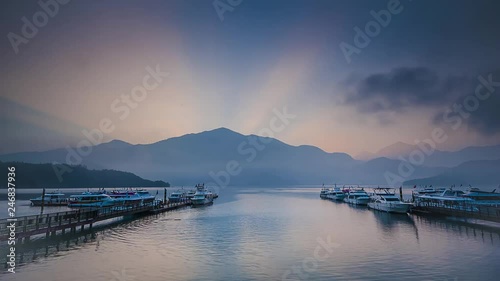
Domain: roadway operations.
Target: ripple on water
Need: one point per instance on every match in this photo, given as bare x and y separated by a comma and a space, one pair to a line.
261, 235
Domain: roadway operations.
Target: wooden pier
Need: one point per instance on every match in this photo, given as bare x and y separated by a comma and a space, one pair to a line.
48, 224
472, 211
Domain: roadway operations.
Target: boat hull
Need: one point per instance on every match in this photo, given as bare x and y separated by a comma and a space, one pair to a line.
35, 202
401, 208
127, 202
92, 204
337, 197
201, 202
357, 201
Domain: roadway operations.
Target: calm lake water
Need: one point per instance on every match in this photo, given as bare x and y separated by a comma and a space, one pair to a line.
265, 234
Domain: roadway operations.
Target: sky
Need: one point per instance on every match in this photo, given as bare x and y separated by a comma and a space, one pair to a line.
235, 63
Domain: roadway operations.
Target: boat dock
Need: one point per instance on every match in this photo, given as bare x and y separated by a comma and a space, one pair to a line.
472, 211
49, 224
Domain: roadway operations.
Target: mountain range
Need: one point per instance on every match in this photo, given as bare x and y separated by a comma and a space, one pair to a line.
437, 158
29, 175
230, 158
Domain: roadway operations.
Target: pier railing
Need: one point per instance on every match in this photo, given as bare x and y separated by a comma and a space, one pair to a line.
27, 226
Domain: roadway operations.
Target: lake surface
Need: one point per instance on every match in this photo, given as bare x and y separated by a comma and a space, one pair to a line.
265, 234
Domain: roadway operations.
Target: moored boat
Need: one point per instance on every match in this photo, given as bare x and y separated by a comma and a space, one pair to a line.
190, 194
357, 196
146, 197
336, 194
452, 199
125, 197
483, 197
91, 199
202, 196
385, 199
177, 196
54, 198
428, 190
324, 192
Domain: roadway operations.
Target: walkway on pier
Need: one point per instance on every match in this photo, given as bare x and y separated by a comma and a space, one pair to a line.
460, 210
28, 226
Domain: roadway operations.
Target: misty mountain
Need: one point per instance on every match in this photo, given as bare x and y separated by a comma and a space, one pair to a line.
392, 151
437, 158
375, 170
212, 156
43, 175
483, 172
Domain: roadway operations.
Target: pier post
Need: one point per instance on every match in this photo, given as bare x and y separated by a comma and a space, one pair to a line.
401, 193
25, 222
43, 202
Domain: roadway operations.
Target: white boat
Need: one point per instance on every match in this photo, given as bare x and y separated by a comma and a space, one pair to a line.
483, 197
202, 196
54, 198
145, 195
91, 199
177, 196
190, 194
324, 192
452, 199
357, 196
429, 190
385, 199
125, 197
336, 194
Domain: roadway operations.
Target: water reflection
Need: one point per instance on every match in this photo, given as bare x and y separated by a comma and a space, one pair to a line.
258, 235
390, 223
61, 244
484, 233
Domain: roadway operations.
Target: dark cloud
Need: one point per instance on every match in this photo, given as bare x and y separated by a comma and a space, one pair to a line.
486, 119
404, 88
482, 116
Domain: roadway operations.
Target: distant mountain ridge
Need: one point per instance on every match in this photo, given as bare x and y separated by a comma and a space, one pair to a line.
43, 176
227, 157
481, 172
193, 157
437, 158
